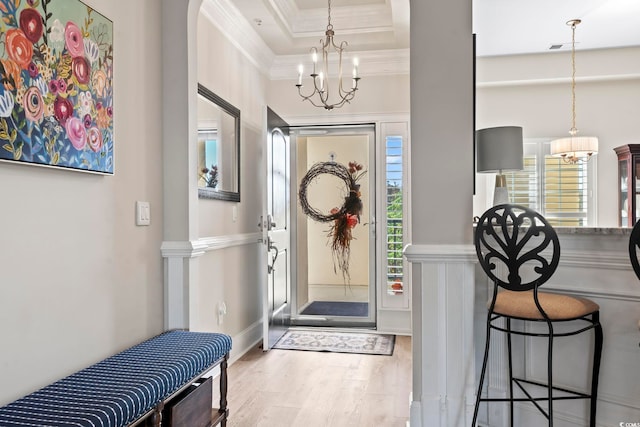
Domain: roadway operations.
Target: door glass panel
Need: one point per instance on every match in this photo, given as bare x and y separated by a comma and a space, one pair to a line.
279, 179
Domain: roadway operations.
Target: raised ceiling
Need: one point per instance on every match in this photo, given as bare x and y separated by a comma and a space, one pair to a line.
503, 27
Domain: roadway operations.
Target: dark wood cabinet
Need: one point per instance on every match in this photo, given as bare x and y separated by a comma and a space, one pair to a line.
628, 184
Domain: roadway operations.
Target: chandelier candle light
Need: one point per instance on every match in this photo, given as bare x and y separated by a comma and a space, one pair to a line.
574, 149
320, 87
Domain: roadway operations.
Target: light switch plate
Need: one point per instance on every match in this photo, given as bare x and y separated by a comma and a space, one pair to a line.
143, 213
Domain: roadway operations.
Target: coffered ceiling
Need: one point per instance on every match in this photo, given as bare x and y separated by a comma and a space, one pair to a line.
503, 27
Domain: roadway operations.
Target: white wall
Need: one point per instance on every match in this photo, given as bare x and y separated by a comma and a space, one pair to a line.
441, 209
534, 91
79, 280
232, 274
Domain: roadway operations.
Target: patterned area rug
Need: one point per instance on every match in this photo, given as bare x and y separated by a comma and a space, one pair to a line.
337, 342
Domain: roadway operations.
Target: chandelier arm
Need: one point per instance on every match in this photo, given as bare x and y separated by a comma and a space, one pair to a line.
309, 97
326, 42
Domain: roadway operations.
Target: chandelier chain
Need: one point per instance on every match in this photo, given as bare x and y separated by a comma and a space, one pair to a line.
573, 130
329, 26
574, 149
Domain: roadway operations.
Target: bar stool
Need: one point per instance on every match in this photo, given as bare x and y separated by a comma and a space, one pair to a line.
634, 247
519, 251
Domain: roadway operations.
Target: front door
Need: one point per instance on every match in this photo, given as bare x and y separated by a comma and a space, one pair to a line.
322, 294
276, 232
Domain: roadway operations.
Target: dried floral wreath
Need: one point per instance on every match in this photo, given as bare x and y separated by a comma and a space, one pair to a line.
343, 219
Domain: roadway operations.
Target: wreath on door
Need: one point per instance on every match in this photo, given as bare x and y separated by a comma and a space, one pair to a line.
342, 219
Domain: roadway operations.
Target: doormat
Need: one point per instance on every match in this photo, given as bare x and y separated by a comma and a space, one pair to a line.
337, 342
337, 308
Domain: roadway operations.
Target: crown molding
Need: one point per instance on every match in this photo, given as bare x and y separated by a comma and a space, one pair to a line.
340, 118
313, 22
287, 11
228, 19
346, 20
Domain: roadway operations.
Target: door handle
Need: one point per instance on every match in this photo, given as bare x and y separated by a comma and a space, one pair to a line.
271, 247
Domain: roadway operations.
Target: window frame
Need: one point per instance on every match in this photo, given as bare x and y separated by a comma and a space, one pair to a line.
393, 301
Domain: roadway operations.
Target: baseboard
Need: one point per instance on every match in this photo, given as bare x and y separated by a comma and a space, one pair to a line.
530, 416
245, 341
240, 345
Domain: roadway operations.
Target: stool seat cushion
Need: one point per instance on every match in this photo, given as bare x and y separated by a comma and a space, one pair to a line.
556, 306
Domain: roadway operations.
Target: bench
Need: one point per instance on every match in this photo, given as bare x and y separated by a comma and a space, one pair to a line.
130, 388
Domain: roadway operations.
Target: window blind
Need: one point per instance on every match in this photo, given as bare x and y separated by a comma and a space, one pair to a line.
557, 190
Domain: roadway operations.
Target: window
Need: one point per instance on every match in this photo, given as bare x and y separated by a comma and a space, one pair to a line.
395, 214
394, 210
562, 192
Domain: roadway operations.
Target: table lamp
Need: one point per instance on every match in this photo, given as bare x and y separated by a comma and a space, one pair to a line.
499, 149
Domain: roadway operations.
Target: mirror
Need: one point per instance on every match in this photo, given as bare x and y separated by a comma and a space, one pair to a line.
218, 147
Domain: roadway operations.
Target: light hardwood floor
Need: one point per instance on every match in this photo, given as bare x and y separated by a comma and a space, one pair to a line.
284, 388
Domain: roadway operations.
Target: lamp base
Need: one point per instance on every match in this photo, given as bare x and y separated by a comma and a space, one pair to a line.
500, 193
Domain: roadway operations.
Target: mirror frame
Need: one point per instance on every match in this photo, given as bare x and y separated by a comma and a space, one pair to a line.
210, 193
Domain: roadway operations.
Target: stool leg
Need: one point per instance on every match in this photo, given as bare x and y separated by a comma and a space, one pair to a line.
509, 353
550, 374
597, 354
484, 369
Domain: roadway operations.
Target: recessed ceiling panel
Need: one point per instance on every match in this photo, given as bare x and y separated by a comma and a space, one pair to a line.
503, 27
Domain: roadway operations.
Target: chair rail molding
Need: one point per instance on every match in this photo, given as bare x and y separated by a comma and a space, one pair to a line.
179, 255
443, 278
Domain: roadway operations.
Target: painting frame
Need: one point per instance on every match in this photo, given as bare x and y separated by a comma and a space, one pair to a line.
56, 85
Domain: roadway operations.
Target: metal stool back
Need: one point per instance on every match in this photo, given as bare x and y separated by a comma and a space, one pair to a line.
519, 251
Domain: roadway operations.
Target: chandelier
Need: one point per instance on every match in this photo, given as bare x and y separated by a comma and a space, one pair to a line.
574, 149
320, 74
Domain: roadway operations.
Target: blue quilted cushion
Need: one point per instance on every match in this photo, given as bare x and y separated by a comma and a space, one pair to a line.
122, 388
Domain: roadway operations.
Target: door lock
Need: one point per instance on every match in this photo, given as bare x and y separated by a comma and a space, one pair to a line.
271, 224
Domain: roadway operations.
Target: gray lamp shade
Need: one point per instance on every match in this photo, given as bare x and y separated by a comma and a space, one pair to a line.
499, 149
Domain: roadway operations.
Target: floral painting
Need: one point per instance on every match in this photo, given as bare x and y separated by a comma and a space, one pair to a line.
56, 92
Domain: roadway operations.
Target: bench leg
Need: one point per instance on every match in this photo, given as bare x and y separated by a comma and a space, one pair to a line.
156, 416
223, 391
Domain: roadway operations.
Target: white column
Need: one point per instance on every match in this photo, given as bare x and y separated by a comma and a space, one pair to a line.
180, 263
179, 185
443, 352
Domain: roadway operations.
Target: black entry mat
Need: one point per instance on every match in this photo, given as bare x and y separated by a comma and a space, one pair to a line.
337, 308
